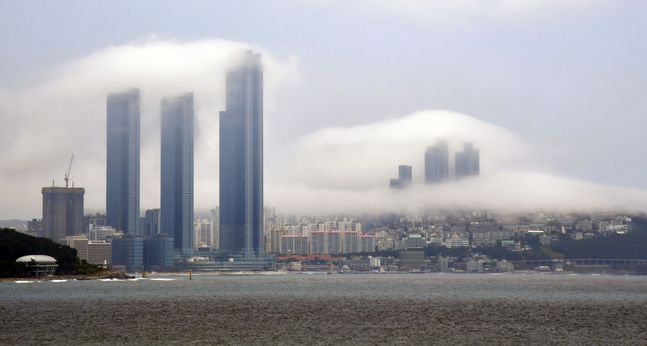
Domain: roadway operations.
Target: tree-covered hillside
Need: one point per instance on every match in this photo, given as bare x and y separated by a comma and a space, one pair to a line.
14, 244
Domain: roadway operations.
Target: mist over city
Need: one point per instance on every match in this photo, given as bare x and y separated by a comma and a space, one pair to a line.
331, 169
283, 172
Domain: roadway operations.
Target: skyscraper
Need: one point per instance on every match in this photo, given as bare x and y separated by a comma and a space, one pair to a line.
176, 208
437, 162
122, 178
241, 159
468, 161
405, 175
62, 212
151, 223
405, 178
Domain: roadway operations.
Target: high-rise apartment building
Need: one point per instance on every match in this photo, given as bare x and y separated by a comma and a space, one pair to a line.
437, 163
203, 233
467, 161
62, 212
294, 244
241, 159
176, 206
122, 161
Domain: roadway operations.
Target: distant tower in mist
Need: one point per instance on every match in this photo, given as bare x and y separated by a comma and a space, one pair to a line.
405, 175
437, 162
62, 212
468, 161
176, 205
241, 159
122, 164
405, 178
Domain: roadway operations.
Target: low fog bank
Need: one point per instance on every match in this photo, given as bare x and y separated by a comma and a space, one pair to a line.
506, 192
65, 113
347, 170
333, 170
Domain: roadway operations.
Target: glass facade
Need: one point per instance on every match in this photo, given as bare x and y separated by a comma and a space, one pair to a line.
468, 161
437, 163
128, 252
241, 159
158, 253
122, 161
177, 138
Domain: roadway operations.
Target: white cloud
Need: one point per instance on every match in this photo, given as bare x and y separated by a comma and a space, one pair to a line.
44, 123
337, 170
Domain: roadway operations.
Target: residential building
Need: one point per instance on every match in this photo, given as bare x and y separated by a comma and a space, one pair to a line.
351, 242
203, 233
294, 245
319, 242
414, 241
366, 243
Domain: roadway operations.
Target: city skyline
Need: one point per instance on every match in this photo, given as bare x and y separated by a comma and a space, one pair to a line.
365, 172
543, 122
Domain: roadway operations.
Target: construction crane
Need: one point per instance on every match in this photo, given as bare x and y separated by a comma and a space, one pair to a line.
69, 168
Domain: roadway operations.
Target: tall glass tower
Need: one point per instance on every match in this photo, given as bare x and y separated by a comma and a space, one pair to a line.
122, 161
437, 162
241, 159
176, 205
468, 162
405, 175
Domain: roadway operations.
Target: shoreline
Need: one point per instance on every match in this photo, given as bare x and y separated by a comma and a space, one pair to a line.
137, 276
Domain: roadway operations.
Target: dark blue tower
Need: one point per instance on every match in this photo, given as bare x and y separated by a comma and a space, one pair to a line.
122, 163
176, 205
241, 159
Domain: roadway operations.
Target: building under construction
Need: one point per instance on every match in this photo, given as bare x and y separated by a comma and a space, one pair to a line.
62, 210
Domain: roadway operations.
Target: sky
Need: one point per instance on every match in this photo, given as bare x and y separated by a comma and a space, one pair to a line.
552, 92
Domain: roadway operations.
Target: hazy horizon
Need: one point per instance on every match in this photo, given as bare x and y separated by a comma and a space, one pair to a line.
549, 92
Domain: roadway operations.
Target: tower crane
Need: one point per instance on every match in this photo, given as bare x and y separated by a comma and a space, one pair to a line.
69, 168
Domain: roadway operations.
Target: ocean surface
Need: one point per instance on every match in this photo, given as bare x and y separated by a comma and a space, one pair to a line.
319, 309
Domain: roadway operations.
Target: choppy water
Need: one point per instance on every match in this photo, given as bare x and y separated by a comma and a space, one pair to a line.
329, 309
